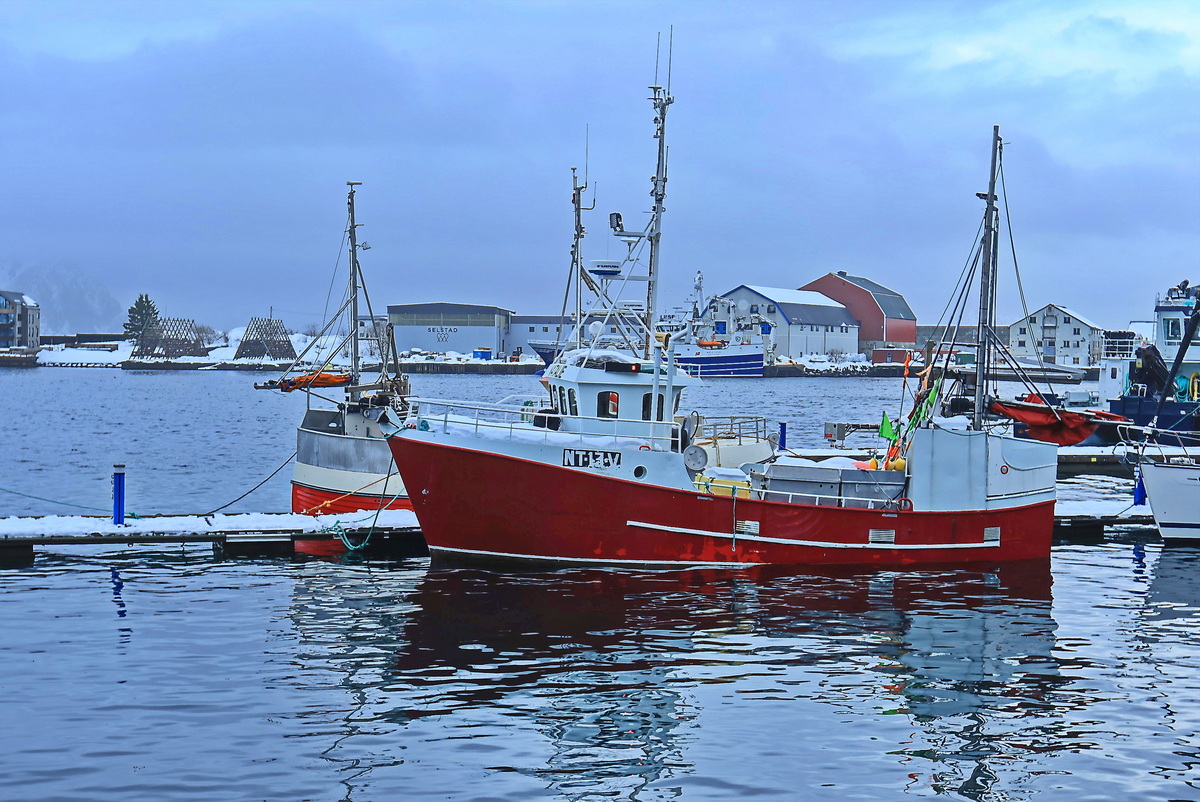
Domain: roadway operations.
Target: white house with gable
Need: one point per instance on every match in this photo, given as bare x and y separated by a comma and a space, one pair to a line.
1056, 334
802, 321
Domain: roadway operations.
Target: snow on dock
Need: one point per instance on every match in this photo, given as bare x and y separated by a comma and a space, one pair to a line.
237, 532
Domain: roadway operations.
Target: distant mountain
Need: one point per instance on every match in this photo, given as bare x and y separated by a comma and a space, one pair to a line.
70, 301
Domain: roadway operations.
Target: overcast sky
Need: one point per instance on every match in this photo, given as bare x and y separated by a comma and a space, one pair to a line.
198, 151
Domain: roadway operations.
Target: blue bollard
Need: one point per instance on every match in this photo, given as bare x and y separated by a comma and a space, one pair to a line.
782, 435
119, 495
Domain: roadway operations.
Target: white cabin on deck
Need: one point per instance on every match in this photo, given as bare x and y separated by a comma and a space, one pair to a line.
613, 392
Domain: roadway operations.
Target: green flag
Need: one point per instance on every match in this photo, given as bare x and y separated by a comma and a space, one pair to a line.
886, 430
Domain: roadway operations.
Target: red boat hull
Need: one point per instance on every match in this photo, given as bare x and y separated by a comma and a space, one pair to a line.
313, 501
469, 507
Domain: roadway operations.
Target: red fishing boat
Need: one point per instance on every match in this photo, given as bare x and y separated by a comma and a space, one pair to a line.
610, 472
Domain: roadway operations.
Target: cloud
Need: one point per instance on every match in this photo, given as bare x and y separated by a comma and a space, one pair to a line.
201, 155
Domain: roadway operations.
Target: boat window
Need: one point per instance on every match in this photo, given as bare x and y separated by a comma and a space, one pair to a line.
1113, 373
562, 400
607, 404
573, 400
1171, 329
533, 328
678, 398
646, 410
1020, 343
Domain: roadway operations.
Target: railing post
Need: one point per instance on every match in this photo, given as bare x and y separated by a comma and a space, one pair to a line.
118, 483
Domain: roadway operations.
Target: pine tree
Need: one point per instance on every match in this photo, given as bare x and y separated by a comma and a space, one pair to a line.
142, 315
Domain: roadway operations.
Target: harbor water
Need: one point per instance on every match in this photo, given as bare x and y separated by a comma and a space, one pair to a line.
173, 674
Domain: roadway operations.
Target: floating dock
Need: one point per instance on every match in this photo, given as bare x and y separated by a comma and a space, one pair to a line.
250, 534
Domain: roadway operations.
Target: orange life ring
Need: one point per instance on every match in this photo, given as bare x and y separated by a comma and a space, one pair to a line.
643, 448
904, 503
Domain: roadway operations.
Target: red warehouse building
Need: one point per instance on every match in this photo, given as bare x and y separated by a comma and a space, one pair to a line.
887, 325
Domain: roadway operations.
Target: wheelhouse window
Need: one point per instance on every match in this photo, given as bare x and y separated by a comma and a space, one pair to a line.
573, 400
647, 412
607, 404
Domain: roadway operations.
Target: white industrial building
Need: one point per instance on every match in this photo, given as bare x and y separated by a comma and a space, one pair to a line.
1058, 335
441, 327
802, 322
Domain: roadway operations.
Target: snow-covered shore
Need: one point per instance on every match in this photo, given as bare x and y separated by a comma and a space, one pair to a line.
225, 355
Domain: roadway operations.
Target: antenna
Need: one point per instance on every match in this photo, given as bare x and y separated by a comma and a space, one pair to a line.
657, 48
670, 55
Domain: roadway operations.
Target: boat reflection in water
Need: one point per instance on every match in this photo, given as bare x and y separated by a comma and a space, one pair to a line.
636, 685
1170, 619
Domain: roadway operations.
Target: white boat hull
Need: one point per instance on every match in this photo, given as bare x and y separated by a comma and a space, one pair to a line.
1173, 489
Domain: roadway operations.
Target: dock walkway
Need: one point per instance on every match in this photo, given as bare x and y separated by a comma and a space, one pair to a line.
245, 533
393, 531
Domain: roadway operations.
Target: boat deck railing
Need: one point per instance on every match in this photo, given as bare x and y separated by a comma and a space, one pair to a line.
530, 423
737, 429
1152, 444
831, 499
524, 420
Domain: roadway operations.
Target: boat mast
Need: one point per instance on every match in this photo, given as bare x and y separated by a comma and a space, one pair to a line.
577, 190
658, 192
355, 283
987, 287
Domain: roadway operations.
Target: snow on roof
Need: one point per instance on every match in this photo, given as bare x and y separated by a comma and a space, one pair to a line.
785, 296
1068, 312
1078, 317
